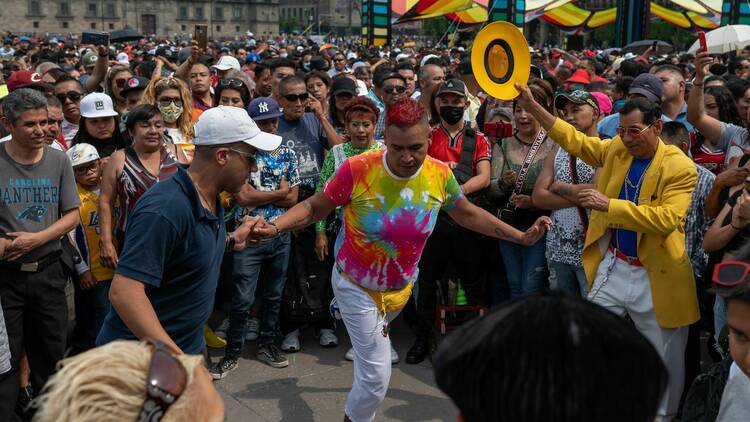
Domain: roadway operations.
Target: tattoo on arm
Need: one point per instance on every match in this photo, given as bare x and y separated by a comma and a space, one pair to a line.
502, 234
305, 219
564, 191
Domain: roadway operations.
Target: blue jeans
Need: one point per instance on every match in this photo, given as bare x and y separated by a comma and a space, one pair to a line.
525, 267
272, 257
569, 279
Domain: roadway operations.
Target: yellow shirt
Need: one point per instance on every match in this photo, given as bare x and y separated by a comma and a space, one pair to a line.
88, 232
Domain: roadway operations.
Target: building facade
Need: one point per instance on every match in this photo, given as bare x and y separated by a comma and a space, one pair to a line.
341, 17
225, 18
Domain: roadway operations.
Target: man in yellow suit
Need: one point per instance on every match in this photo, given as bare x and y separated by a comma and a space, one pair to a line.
634, 254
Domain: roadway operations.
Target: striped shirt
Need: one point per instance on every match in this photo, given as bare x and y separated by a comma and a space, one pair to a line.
697, 223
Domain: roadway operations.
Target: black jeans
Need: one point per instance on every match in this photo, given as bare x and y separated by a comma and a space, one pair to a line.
36, 317
451, 249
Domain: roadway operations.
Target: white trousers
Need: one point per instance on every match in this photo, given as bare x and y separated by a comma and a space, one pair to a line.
372, 350
625, 289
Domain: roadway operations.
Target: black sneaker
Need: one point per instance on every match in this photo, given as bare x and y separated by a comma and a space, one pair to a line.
220, 370
271, 354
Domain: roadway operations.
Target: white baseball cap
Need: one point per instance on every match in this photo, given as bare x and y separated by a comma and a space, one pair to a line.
427, 57
97, 104
226, 63
82, 154
122, 58
226, 125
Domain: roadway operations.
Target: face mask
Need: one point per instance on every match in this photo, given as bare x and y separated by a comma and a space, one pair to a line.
170, 113
451, 114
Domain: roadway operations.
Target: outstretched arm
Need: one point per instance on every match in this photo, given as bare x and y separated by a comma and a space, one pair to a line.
474, 218
300, 216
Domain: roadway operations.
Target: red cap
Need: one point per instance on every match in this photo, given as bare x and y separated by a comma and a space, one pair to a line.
26, 78
579, 77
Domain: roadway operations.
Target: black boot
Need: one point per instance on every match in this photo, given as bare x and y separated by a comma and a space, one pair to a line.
419, 351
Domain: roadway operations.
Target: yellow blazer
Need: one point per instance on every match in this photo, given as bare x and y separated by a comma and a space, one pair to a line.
659, 218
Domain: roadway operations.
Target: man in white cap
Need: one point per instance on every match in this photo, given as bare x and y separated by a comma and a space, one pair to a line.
225, 63
176, 237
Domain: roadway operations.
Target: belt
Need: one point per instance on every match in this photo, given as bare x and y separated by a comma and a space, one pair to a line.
32, 267
632, 260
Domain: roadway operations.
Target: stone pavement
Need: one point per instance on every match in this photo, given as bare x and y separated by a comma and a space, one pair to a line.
314, 386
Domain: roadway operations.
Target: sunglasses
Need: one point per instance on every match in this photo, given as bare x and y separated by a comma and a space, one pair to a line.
120, 82
73, 96
292, 98
85, 169
167, 380
390, 89
250, 158
234, 83
164, 102
731, 273
633, 132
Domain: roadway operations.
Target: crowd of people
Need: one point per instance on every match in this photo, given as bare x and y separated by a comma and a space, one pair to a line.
159, 199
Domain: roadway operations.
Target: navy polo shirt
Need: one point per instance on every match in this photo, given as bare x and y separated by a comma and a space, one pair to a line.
174, 246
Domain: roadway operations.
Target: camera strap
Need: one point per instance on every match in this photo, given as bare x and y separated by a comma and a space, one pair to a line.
465, 168
521, 176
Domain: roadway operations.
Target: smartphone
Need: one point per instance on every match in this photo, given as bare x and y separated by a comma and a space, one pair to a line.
498, 130
654, 46
702, 39
94, 38
201, 35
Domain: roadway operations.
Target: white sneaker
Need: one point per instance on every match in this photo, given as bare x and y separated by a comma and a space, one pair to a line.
328, 338
291, 342
221, 330
394, 355
253, 327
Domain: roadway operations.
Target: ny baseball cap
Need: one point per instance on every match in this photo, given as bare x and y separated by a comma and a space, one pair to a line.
96, 105
226, 63
647, 85
26, 79
133, 84
82, 154
226, 125
578, 96
264, 108
452, 86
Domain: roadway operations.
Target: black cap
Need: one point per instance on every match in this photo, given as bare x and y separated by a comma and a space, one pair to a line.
165, 52
343, 85
578, 96
133, 84
649, 86
318, 63
452, 86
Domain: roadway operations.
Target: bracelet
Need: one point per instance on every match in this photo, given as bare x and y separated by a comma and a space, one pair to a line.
229, 243
695, 84
278, 232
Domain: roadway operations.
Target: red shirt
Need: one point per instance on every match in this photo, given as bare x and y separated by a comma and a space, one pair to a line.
448, 150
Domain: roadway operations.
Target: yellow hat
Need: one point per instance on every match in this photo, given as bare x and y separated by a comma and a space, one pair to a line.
499, 59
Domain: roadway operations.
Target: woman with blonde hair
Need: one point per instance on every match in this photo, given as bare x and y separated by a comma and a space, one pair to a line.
129, 381
114, 83
173, 99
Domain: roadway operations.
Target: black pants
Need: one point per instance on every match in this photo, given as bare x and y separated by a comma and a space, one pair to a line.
449, 248
303, 262
36, 317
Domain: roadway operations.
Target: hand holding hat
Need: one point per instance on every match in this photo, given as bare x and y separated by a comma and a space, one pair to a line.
525, 98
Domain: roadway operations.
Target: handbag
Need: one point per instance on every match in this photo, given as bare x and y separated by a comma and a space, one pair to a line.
508, 213
574, 176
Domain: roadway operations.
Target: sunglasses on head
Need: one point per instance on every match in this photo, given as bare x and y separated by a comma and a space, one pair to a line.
390, 89
731, 273
73, 96
292, 98
167, 380
234, 83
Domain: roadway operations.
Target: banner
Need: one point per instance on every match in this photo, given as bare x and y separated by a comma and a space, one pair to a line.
376, 22
512, 11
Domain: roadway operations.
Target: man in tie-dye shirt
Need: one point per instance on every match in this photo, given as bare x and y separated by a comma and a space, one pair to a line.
390, 202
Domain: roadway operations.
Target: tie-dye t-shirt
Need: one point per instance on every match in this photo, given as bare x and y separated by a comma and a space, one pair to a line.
387, 219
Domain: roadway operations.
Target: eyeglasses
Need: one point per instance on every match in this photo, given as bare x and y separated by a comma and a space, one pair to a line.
292, 98
73, 96
234, 83
167, 380
120, 82
83, 170
250, 158
339, 60
633, 132
390, 89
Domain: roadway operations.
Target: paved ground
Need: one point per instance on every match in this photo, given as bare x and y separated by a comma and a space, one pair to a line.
314, 386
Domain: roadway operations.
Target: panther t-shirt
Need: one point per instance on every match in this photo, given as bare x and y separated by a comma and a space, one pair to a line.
34, 196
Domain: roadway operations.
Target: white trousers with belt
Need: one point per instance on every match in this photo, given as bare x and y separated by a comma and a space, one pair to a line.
372, 350
625, 290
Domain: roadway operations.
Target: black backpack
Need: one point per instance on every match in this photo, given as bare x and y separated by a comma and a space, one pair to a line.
704, 397
307, 290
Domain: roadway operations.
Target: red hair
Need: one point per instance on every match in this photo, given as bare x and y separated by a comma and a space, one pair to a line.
405, 112
362, 106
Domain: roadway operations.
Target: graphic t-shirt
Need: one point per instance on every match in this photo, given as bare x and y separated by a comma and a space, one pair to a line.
88, 232
308, 140
272, 166
386, 218
34, 196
